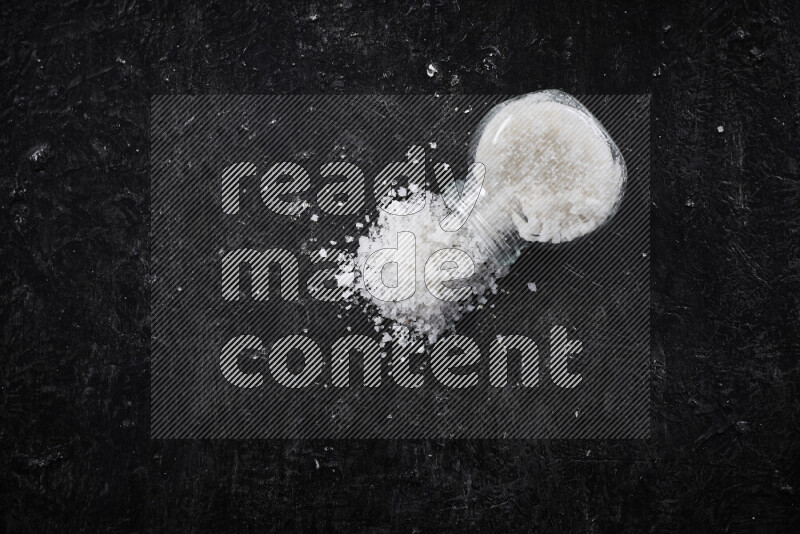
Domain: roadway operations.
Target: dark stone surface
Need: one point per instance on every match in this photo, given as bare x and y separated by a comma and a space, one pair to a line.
74, 402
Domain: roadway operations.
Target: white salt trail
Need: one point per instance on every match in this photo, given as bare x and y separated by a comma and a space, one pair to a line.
424, 316
552, 174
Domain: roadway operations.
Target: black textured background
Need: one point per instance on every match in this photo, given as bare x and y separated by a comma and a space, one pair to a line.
74, 409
